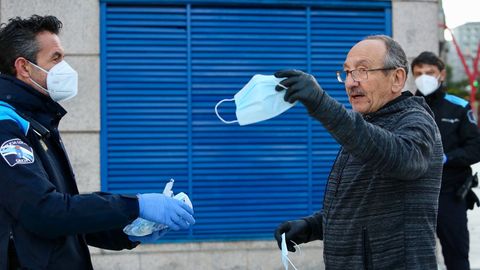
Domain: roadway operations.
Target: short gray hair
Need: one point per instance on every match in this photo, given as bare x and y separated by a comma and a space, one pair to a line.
395, 56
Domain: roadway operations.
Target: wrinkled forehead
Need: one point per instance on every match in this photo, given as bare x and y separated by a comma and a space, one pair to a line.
366, 53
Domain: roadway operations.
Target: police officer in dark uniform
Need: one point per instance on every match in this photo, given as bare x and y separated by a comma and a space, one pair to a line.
461, 146
44, 222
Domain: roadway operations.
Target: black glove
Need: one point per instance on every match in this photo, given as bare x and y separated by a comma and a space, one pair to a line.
298, 231
471, 199
301, 86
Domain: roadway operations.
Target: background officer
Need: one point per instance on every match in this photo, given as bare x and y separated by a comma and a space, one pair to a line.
461, 146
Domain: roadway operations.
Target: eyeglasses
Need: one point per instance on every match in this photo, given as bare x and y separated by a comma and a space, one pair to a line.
358, 75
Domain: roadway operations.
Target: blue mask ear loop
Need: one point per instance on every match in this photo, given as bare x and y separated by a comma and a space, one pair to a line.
219, 117
37, 84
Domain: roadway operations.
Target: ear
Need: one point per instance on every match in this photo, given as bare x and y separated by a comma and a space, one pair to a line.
443, 75
23, 68
399, 77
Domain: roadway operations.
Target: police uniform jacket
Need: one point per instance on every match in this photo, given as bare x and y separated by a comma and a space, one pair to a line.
43, 218
460, 136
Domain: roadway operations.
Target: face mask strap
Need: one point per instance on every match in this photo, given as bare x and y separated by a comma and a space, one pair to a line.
41, 87
219, 117
37, 66
33, 81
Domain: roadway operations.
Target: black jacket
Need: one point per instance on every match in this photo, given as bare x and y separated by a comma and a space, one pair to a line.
460, 136
42, 214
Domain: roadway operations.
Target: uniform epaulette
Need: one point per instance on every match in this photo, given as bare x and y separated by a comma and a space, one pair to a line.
456, 100
7, 112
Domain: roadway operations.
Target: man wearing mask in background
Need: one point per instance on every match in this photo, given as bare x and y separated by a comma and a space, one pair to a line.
44, 222
461, 146
380, 204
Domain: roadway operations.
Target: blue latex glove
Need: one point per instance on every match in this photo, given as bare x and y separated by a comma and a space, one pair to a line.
148, 239
165, 210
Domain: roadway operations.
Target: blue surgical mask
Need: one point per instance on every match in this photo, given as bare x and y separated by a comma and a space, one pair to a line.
257, 101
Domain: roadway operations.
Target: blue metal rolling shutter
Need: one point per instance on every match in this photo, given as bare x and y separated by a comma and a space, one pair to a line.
164, 69
144, 132
333, 33
243, 177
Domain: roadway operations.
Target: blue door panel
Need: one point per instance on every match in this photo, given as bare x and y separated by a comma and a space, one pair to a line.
164, 68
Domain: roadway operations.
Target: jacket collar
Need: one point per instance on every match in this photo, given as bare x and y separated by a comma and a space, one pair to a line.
434, 97
26, 99
391, 106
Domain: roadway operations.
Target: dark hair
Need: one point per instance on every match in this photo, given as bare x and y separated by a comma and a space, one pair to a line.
395, 56
428, 58
18, 39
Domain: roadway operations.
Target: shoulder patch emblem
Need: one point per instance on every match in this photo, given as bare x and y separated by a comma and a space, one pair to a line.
471, 117
15, 151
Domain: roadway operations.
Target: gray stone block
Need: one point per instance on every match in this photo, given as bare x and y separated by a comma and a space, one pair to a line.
94, 250
116, 262
80, 20
309, 257
415, 27
251, 255
84, 152
167, 260
84, 109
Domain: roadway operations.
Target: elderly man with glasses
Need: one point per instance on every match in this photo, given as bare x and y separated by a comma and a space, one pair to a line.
381, 199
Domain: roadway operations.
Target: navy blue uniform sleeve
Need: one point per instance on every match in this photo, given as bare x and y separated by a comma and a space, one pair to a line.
468, 150
113, 239
34, 203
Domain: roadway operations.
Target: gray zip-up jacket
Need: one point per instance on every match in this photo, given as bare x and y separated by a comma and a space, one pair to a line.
380, 206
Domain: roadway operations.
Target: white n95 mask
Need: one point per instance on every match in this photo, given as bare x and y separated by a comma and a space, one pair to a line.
257, 101
426, 84
62, 81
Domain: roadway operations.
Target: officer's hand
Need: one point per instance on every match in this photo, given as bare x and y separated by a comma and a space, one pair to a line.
297, 231
148, 239
301, 86
165, 210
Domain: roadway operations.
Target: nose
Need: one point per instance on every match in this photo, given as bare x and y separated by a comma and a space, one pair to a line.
349, 82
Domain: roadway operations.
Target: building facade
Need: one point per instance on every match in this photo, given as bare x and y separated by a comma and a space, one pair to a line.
118, 46
468, 38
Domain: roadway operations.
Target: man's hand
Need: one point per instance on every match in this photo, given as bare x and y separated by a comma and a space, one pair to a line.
300, 86
297, 231
161, 209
